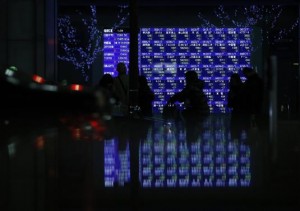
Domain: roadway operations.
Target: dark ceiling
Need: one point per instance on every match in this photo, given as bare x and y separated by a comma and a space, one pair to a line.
177, 2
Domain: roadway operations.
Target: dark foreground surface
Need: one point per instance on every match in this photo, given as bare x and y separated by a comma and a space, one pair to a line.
79, 162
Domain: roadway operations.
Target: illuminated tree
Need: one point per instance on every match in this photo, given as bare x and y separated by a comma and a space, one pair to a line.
82, 53
265, 17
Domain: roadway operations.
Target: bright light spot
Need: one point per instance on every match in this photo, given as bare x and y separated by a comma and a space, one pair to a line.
38, 79
76, 87
9, 72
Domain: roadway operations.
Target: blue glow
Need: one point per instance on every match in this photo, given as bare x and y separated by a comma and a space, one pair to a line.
165, 54
167, 159
117, 164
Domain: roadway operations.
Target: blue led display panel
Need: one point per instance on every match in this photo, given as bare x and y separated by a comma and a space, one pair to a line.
165, 54
115, 49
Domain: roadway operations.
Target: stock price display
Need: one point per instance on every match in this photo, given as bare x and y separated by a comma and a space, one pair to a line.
115, 49
165, 54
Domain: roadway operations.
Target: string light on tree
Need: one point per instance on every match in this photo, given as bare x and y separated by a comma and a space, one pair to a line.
83, 53
122, 16
265, 17
284, 32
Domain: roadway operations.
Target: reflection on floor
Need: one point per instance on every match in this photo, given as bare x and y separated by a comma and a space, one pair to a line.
83, 163
171, 155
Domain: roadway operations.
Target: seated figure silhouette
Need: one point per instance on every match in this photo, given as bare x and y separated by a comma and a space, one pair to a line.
235, 96
192, 96
145, 97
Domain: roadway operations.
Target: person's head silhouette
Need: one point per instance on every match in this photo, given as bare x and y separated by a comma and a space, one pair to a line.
106, 81
235, 80
121, 68
248, 71
191, 76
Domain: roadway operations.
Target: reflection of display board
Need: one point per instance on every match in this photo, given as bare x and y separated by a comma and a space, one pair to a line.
117, 164
167, 53
211, 159
172, 156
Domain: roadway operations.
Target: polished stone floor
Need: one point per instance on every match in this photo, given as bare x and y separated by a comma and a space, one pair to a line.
84, 163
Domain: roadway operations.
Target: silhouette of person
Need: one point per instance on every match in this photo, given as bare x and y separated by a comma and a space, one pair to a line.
192, 95
252, 92
238, 122
145, 97
121, 88
234, 97
106, 85
252, 101
106, 82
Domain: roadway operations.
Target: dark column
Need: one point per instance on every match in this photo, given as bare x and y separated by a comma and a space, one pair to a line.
133, 56
40, 37
51, 39
133, 96
273, 106
298, 101
28, 36
21, 35
3, 34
